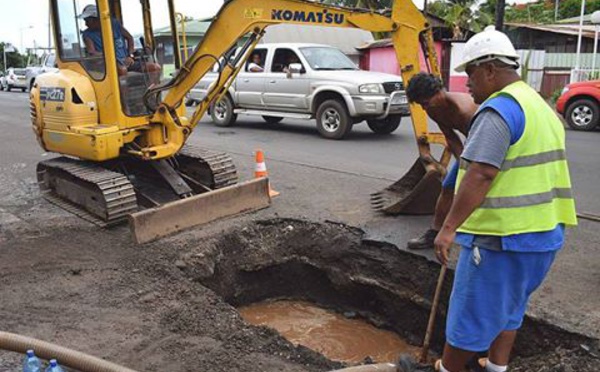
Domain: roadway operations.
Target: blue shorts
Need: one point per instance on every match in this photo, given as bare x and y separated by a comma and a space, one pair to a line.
450, 179
492, 296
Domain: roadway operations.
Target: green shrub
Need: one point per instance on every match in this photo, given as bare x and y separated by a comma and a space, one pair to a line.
555, 95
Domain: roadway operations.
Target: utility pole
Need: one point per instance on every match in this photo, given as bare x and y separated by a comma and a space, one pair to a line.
500, 5
555, 10
575, 73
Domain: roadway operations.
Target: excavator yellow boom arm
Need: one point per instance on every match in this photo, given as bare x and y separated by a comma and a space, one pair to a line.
406, 24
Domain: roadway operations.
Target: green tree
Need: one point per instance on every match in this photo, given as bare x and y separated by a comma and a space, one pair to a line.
13, 59
460, 15
572, 8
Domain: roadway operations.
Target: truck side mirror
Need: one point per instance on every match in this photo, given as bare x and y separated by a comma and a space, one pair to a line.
295, 67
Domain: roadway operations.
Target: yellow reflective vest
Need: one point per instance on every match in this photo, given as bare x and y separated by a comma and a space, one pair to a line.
532, 191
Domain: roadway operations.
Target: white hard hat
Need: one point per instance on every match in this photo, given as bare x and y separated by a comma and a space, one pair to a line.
486, 46
89, 11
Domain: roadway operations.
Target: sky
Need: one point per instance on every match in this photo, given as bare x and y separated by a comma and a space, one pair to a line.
24, 23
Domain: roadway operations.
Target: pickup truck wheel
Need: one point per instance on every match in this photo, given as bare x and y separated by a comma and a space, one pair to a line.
8, 88
583, 114
385, 126
333, 119
23, 90
272, 119
222, 112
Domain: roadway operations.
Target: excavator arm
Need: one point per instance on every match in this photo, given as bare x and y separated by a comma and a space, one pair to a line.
417, 191
406, 24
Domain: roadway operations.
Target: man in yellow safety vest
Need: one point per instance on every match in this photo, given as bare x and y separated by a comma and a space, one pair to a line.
513, 200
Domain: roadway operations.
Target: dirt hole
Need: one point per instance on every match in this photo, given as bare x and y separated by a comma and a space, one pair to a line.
331, 265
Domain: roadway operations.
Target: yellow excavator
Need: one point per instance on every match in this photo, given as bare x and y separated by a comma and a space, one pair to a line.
123, 130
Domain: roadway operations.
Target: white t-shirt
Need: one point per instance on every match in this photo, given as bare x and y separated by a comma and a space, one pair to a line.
253, 67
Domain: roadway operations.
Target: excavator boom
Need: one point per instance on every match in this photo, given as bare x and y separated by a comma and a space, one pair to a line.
416, 192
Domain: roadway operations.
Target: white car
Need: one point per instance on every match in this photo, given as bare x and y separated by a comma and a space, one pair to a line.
48, 65
310, 81
15, 78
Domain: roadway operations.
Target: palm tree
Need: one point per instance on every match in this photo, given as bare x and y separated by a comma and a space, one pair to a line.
461, 15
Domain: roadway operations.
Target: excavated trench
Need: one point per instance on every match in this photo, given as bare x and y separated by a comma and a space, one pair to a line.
332, 266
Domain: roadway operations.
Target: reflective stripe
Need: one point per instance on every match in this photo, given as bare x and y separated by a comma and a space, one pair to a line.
536, 159
260, 167
527, 200
526, 161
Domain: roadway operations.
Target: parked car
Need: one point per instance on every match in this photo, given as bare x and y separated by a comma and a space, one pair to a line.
306, 81
2, 81
48, 65
15, 78
579, 104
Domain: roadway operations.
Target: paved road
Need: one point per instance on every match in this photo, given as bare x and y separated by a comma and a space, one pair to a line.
331, 180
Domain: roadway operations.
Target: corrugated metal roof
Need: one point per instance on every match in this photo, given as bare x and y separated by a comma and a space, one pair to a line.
383, 43
567, 60
587, 18
346, 39
587, 30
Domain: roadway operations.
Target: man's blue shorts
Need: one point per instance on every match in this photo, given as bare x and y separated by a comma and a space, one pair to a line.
450, 179
492, 296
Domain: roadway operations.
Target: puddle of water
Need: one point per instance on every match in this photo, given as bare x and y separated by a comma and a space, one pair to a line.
331, 334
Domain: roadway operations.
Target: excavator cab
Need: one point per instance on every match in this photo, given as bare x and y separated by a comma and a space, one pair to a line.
143, 44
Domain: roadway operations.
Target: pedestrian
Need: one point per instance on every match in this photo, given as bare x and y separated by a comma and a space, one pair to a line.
453, 113
512, 203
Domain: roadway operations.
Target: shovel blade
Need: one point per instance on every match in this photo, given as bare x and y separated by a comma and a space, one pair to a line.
153, 223
415, 193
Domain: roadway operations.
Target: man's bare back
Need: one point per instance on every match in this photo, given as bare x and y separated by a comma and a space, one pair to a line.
456, 114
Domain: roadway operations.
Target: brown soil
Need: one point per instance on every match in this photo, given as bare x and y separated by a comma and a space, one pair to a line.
168, 305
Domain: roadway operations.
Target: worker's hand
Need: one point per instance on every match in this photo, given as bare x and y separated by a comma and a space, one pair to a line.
443, 242
129, 61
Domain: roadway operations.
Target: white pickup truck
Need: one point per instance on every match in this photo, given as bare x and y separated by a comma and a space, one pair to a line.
309, 81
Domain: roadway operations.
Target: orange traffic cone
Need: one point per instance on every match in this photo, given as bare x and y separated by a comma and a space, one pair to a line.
261, 171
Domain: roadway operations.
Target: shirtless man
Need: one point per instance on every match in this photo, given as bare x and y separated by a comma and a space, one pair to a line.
453, 113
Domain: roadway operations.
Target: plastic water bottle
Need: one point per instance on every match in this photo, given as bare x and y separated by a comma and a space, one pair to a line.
31, 363
54, 367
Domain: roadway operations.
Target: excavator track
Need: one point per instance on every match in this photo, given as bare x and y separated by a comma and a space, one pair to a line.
213, 169
95, 194
106, 197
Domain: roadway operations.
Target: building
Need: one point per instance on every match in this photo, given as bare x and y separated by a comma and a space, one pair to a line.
558, 45
344, 39
380, 56
553, 38
194, 32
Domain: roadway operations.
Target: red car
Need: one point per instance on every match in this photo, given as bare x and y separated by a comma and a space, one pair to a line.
579, 104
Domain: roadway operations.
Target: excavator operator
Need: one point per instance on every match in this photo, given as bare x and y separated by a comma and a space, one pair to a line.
453, 113
124, 45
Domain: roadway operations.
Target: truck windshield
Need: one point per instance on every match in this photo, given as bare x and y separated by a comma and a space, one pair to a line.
324, 58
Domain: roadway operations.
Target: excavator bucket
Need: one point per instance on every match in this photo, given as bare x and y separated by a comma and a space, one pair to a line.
153, 223
415, 193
